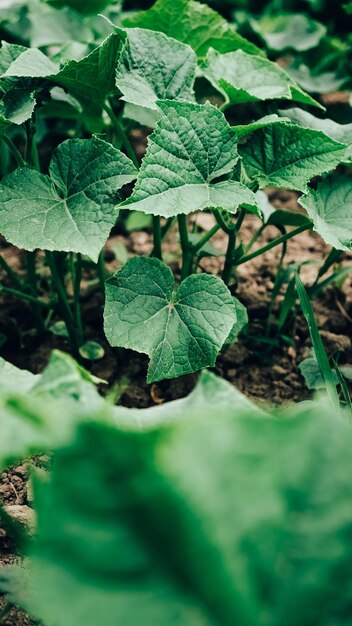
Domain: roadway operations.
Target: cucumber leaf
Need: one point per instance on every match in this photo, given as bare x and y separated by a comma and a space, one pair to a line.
193, 23
286, 155
17, 101
182, 331
290, 31
339, 132
240, 505
155, 67
190, 148
73, 209
329, 206
90, 79
242, 77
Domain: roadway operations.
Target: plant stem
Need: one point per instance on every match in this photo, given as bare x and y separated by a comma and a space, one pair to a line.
24, 296
76, 272
14, 151
165, 229
11, 274
203, 240
120, 131
187, 254
226, 273
101, 270
255, 237
157, 237
32, 279
65, 307
220, 220
274, 243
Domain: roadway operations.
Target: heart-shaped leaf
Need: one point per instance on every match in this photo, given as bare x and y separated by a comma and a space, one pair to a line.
73, 210
191, 147
181, 330
329, 206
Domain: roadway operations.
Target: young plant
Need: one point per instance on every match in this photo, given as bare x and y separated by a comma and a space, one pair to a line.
143, 72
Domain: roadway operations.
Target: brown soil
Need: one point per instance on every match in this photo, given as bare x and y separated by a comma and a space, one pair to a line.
264, 372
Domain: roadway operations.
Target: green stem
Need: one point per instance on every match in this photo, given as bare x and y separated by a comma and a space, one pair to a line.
14, 151
226, 274
220, 220
157, 237
274, 243
120, 131
32, 279
187, 254
11, 274
203, 240
165, 229
24, 296
255, 238
101, 270
64, 304
76, 272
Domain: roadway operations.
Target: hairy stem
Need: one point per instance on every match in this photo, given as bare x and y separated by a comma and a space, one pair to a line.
203, 240
32, 279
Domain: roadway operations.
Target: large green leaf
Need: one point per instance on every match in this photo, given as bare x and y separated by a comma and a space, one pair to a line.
73, 210
339, 132
182, 331
242, 77
190, 148
215, 520
286, 155
50, 26
329, 206
193, 23
296, 31
155, 67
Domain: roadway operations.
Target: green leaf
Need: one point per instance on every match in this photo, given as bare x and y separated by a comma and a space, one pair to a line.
339, 132
90, 79
193, 23
190, 148
297, 31
86, 7
17, 100
49, 26
194, 524
12, 378
181, 331
242, 77
155, 67
315, 82
311, 373
286, 155
73, 210
329, 206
